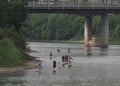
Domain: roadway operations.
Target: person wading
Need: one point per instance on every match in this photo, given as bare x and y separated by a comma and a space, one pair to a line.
51, 54
54, 66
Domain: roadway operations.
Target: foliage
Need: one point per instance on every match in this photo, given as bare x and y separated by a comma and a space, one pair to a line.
54, 26
9, 54
18, 39
12, 13
114, 27
67, 27
12, 40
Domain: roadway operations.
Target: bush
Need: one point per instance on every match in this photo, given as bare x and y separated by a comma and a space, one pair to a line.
9, 54
17, 38
12, 46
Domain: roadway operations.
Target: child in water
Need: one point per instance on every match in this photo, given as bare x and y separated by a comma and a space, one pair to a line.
39, 67
51, 54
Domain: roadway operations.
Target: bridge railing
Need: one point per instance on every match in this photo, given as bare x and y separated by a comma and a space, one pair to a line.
73, 4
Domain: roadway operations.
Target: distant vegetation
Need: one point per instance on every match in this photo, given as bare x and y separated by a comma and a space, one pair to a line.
67, 27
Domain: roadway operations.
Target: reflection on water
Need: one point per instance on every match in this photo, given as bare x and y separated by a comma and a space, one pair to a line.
103, 51
90, 67
88, 51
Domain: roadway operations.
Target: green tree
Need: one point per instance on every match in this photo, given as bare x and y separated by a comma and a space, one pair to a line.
12, 41
51, 27
66, 26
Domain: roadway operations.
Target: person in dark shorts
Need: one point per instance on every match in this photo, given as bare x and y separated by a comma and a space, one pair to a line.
58, 50
54, 64
63, 58
54, 67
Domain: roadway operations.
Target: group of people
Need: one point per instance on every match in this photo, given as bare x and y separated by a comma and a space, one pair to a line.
65, 60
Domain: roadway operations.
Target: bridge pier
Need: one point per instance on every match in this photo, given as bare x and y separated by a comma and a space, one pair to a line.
104, 31
87, 30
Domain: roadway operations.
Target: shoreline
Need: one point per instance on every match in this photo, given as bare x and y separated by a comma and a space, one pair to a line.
31, 63
64, 41
55, 41
28, 65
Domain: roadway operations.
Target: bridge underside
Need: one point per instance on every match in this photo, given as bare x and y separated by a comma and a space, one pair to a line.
81, 7
82, 11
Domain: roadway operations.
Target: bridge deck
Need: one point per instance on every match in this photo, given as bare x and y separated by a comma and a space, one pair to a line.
74, 6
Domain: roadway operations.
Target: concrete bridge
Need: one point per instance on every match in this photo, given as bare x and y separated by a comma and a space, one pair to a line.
87, 8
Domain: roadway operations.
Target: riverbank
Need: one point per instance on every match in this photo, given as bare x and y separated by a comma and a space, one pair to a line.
28, 65
67, 41
55, 41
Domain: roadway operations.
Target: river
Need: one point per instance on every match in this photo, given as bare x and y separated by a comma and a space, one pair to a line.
90, 67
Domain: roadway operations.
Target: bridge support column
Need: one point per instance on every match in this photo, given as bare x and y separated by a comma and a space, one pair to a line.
104, 31
87, 30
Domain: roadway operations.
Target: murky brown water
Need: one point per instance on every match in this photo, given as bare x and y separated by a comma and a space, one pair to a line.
90, 67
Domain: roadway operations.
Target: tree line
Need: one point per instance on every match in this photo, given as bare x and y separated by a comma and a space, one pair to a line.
67, 27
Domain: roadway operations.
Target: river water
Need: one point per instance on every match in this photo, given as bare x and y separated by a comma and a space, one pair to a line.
90, 67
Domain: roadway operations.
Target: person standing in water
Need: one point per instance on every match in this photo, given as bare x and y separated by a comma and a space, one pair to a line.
51, 54
58, 50
54, 66
39, 67
63, 59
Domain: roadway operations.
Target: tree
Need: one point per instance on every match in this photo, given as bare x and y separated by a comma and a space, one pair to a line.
51, 27
66, 26
12, 13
